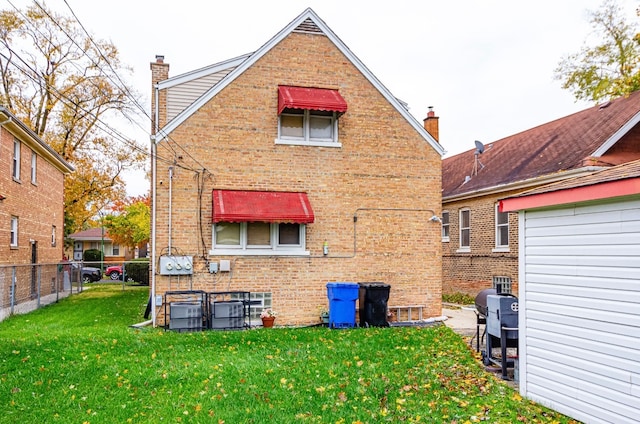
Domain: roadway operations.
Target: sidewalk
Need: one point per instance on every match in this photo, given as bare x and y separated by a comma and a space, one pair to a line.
461, 318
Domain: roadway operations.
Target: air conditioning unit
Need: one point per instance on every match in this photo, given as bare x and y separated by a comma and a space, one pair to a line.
227, 315
185, 316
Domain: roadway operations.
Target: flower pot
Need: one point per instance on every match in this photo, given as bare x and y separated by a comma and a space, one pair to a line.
267, 322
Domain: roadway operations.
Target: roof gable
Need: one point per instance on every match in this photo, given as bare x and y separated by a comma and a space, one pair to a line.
557, 149
307, 22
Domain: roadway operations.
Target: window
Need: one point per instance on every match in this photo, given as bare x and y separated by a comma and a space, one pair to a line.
313, 127
258, 238
445, 225
465, 230
14, 231
502, 230
53, 235
502, 284
16, 160
115, 249
34, 161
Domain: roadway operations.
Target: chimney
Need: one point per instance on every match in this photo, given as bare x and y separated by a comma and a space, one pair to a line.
431, 124
159, 72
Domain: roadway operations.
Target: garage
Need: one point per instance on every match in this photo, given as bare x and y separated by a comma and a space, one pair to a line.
579, 345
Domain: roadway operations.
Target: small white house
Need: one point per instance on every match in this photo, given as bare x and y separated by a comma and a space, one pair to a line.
579, 295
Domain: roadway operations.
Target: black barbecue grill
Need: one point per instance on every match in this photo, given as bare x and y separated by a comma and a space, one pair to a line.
501, 329
481, 313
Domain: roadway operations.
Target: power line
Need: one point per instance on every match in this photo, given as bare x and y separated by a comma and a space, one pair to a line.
119, 84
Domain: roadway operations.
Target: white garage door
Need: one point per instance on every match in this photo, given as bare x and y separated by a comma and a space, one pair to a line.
580, 310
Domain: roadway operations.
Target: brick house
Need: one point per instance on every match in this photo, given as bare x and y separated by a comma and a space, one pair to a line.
483, 251
31, 205
30, 170
95, 238
279, 171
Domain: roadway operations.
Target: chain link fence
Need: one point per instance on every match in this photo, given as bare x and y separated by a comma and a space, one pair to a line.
24, 288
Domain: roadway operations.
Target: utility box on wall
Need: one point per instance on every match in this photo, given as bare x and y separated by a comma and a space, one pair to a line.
176, 265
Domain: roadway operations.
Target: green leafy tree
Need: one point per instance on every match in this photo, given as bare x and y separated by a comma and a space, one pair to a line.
130, 223
65, 86
610, 68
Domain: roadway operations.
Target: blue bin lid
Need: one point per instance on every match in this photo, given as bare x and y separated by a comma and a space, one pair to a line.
343, 285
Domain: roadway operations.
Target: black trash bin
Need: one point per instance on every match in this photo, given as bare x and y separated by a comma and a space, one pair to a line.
373, 298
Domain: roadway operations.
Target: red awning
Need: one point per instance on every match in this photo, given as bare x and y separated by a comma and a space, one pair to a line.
310, 98
261, 206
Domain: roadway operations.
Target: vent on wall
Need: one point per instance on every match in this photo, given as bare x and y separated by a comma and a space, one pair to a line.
308, 26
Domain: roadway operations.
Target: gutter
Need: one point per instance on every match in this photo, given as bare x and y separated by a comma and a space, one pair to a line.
523, 184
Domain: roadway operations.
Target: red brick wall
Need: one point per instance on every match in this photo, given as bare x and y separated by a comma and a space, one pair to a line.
384, 173
37, 206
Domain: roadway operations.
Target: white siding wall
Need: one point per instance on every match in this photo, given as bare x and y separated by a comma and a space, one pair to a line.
182, 95
580, 310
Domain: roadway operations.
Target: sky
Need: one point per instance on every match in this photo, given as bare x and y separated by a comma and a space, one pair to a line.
486, 67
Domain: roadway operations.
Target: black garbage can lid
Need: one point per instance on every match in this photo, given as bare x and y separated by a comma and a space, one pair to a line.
374, 285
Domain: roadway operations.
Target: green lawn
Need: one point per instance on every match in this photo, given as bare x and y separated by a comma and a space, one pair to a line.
78, 361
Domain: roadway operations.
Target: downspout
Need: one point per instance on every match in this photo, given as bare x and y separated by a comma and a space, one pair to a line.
170, 202
153, 230
153, 209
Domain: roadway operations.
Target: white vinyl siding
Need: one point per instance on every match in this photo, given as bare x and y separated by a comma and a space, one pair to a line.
181, 96
580, 306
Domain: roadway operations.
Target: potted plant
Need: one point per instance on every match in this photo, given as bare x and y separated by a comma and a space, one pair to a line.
268, 316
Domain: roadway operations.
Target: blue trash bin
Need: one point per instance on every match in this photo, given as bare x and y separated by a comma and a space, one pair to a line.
342, 304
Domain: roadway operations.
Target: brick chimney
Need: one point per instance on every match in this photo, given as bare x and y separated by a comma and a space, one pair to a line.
159, 72
431, 124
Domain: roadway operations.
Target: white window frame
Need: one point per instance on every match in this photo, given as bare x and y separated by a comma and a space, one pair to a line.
274, 249
446, 226
34, 164
53, 235
461, 229
15, 171
14, 232
498, 226
306, 140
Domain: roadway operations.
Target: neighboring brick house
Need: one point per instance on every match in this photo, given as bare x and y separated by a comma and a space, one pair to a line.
292, 167
31, 201
484, 250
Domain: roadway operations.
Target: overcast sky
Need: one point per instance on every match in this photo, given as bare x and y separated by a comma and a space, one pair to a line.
485, 66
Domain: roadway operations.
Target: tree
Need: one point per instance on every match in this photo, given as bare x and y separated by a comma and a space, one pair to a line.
609, 69
130, 224
64, 85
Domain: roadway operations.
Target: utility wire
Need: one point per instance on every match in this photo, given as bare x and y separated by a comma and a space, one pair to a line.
119, 83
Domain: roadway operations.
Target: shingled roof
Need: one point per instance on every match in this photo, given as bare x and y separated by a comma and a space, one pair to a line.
615, 173
572, 143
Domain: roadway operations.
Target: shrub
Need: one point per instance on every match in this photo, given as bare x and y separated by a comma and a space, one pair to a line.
138, 270
458, 298
92, 255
